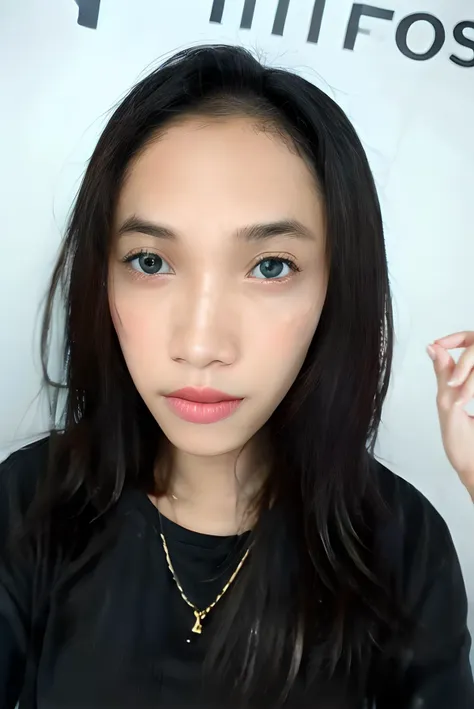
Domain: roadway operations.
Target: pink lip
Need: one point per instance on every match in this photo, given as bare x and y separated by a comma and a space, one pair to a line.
202, 396
202, 405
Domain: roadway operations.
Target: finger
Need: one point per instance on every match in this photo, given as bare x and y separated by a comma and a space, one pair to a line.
444, 366
467, 391
463, 368
457, 339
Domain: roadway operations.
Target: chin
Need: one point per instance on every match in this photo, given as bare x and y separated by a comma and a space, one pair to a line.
206, 440
206, 446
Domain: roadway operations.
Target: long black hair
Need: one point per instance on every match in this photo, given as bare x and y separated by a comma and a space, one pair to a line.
311, 580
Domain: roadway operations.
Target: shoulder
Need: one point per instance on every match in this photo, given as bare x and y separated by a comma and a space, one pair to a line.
412, 535
432, 646
22, 470
403, 501
20, 475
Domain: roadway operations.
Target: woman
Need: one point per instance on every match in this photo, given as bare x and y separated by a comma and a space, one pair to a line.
208, 525
455, 390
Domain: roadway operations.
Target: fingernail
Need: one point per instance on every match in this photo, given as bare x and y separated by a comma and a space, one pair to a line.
454, 383
431, 352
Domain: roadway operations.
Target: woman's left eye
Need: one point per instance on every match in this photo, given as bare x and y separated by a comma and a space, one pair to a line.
148, 263
273, 268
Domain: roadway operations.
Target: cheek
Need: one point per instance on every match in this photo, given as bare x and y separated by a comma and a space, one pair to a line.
284, 339
281, 351
294, 334
289, 334
137, 331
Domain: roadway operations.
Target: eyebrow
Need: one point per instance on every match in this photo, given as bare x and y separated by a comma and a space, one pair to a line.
253, 232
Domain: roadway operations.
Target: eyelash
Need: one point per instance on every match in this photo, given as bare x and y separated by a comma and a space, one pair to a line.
284, 258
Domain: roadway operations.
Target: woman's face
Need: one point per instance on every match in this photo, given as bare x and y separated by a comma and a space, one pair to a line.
217, 277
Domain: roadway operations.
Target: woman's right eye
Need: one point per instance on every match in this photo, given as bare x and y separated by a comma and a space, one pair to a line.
148, 263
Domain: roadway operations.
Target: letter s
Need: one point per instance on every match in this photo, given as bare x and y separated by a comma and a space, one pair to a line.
461, 39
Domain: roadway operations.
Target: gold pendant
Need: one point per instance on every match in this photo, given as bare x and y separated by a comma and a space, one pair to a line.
197, 625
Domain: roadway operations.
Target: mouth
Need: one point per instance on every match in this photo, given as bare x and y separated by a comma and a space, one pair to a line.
202, 405
202, 396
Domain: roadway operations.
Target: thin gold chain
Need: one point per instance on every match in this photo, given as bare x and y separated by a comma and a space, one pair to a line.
200, 615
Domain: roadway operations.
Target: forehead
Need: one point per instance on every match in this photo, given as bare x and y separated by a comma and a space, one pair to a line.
226, 169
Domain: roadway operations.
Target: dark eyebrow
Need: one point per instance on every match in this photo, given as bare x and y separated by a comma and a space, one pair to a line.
254, 232
284, 227
135, 225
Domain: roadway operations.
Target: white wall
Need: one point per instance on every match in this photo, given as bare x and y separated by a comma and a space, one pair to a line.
58, 80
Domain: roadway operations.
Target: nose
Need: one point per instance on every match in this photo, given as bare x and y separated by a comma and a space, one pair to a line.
205, 326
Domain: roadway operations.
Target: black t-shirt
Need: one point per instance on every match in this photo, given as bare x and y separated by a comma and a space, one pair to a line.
118, 634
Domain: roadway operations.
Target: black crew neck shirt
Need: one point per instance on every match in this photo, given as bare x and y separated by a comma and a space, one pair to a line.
118, 634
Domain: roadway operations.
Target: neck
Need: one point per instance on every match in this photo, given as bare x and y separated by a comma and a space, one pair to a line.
213, 494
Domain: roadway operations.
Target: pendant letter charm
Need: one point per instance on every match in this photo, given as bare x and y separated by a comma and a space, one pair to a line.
197, 625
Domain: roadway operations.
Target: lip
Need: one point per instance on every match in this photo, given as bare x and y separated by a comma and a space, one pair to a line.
202, 406
203, 395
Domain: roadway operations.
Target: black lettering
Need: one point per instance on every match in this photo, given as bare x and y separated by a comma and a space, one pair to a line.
407, 23
464, 41
316, 21
247, 14
217, 11
353, 28
218, 6
88, 13
280, 17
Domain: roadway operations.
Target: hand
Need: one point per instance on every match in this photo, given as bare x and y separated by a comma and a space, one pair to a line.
455, 390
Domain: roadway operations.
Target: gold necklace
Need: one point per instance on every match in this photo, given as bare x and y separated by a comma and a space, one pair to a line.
199, 615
